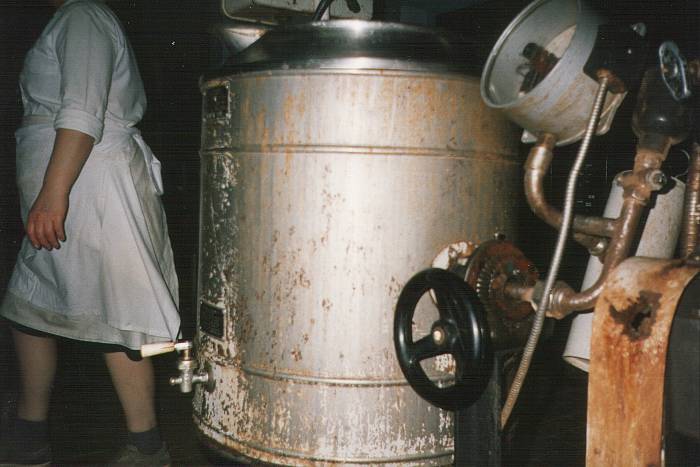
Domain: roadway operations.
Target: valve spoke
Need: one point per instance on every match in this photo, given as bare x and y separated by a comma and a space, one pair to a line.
424, 348
445, 303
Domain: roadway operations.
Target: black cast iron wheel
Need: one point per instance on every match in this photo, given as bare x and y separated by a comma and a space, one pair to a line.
461, 331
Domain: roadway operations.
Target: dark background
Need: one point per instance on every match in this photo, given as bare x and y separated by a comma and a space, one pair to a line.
173, 47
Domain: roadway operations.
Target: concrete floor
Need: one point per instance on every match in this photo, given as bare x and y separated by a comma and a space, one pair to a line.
87, 424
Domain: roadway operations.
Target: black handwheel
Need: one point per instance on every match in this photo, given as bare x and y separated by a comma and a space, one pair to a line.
462, 331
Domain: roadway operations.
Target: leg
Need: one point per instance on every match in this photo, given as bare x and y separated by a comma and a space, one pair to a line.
135, 386
37, 364
28, 438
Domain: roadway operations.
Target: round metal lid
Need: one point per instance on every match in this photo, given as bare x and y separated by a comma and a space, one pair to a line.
347, 45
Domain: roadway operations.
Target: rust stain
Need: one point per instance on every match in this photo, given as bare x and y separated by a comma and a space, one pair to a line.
638, 318
245, 330
631, 326
394, 288
288, 158
326, 304
301, 279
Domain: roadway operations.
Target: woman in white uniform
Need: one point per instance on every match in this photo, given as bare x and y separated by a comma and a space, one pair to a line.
96, 264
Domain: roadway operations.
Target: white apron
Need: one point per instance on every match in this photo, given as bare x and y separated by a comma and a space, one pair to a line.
113, 280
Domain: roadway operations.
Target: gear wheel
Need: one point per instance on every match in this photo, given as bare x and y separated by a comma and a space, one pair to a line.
494, 264
488, 276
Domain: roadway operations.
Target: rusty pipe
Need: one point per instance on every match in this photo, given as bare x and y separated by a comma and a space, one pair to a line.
691, 214
516, 290
564, 299
588, 229
638, 187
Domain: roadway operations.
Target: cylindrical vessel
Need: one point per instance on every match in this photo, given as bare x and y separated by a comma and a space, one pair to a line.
330, 175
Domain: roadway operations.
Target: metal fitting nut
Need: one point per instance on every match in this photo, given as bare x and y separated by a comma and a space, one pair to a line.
656, 179
599, 248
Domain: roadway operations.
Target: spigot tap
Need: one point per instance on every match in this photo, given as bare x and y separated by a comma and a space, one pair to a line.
187, 366
188, 375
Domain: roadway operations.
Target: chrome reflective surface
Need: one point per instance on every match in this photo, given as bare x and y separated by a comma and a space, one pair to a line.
238, 35
348, 45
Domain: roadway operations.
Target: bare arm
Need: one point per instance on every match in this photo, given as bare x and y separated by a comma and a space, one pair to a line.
48, 214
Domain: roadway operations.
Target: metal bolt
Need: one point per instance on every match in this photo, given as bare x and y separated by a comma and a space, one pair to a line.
438, 335
657, 179
599, 248
640, 29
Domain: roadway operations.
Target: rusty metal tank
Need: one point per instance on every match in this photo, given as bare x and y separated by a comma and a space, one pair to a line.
338, 158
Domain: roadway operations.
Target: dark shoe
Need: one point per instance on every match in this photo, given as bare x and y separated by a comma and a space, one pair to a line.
16, 458
16, 451
131, 456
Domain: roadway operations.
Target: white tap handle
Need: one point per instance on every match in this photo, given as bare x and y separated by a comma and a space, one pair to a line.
149, 350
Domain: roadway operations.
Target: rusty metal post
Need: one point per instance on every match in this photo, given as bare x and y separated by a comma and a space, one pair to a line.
629, 343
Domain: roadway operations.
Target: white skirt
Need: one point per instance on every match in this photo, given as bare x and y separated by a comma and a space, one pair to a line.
113, 280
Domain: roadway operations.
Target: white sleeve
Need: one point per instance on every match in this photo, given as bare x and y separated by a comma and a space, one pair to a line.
86, 48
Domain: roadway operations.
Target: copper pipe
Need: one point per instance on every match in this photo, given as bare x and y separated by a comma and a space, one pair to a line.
637, 192
566, 300
514, 289
588, 229
691, 215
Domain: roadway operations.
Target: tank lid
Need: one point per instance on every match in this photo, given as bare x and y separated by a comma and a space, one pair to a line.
347, 45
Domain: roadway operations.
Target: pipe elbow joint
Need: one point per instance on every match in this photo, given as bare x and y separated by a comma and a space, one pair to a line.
559, 296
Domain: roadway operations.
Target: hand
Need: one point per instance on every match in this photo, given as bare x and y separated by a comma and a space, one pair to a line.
45, 223
48, 214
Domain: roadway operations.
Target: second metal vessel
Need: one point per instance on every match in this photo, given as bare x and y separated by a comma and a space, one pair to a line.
338, 158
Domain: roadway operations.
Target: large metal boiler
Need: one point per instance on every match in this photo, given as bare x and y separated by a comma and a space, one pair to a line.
338, 158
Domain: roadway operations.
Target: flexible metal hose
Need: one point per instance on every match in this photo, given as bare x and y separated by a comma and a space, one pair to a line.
567, 216
323, 5
321, 9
